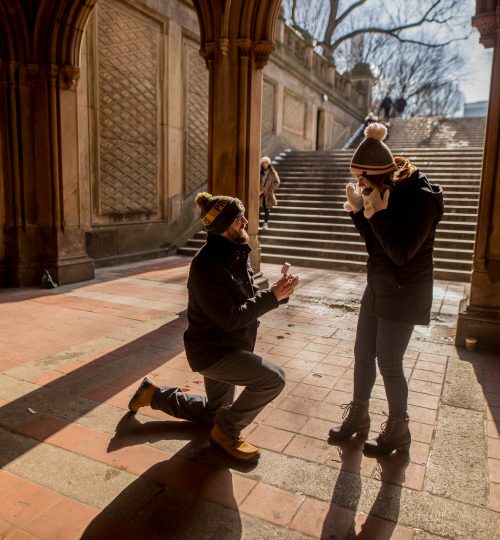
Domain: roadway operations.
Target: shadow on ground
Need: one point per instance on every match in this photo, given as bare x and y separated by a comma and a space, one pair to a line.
183, 498
346, 497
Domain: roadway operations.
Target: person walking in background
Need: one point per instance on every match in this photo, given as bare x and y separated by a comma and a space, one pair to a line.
395, 210
269, 183
386, 106
400, 106
223, 307
370, 118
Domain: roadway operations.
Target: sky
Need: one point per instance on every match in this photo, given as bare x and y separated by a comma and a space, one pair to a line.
476, 82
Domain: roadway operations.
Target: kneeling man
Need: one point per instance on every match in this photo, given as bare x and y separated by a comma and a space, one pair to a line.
223, 308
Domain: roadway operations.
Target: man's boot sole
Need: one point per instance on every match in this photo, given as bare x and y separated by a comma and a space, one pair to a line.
215, 444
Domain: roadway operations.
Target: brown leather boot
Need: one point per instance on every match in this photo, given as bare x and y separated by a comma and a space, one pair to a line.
235, 447
356, 420
143, 395
394, 435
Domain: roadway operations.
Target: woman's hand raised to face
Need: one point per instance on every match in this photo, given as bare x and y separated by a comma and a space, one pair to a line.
285, 286
374, 201
354, 199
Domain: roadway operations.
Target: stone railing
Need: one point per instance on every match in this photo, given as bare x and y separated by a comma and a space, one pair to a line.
303, 51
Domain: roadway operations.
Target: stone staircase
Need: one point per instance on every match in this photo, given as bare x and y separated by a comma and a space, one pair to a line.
309, 227
435, 132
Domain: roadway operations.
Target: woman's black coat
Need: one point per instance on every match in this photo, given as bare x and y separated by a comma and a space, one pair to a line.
400, 242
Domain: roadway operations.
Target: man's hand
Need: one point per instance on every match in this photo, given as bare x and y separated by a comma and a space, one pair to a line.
375, 201
354, 199
284, 287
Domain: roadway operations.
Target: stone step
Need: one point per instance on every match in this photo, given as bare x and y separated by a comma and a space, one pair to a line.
275, 234
357, 266
343, 175
339, 189
344, 219
358, 247
307, 253
453, 213
338, 199
347, 230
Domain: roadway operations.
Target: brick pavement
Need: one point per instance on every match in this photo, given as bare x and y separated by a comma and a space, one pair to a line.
75, 465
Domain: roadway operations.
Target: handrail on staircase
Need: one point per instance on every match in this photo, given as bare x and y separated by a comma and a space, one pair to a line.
354, 136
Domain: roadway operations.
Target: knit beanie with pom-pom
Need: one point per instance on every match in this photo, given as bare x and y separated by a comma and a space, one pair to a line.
373, 156
218, 212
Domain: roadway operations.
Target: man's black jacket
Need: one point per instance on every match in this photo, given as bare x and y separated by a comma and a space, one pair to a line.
400, 242
224, 302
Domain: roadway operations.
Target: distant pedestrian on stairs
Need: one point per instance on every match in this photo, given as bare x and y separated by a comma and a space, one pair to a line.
395, 210
269, 183
386, 106
400, 106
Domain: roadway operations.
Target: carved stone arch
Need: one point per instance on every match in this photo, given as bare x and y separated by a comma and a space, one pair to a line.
59, 30
16, 42
258, 19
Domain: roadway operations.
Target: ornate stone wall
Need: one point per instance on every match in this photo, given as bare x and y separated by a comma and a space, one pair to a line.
126, 181
294, 114
268, 108
195, 118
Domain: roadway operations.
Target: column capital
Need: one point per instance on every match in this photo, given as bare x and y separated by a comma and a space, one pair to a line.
64, 77
263, 50
488, 25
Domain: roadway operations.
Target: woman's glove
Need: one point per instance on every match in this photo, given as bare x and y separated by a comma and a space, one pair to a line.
354, 201
375, 201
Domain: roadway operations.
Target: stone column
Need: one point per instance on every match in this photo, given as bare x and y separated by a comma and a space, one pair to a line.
39, 142
42, 225
479, 317
236, 41
362, 74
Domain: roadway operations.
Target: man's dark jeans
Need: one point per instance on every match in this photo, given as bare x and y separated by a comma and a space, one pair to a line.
386, 341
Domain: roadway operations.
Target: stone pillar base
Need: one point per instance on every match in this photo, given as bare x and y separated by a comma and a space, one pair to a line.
64, 271
73, 270
482, 324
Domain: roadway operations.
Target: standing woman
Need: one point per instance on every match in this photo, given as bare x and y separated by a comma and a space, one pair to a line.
395, 210
269, 183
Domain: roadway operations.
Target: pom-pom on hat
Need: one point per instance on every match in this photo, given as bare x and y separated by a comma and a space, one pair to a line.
373, 156
218, 212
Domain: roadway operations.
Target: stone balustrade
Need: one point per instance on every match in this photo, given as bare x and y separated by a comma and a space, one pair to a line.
303, 51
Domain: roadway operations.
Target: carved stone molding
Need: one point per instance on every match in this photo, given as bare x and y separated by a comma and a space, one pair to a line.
69, 77
224, 45
244, 48
488, 25
262, 51
208, 53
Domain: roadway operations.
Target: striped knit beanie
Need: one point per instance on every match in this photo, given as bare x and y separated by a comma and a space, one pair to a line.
373, 156
218, 212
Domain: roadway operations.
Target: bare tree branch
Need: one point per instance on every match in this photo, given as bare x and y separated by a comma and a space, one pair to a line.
334, 21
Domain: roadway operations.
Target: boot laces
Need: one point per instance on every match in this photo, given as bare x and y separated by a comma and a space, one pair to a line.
350, 410
386, 428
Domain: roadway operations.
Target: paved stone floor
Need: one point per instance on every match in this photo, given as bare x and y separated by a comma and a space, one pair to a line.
74, 464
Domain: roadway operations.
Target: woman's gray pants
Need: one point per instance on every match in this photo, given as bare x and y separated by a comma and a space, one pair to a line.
263, 382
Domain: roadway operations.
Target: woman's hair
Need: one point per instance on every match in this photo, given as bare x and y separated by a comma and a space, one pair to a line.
270, 168
405, 169
385, 180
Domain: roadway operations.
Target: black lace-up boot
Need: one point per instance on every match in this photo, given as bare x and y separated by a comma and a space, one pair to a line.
356, 420
394, 435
